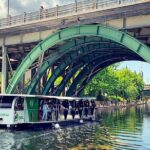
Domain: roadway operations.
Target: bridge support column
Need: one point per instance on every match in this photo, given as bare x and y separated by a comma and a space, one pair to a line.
124, 23
4, 69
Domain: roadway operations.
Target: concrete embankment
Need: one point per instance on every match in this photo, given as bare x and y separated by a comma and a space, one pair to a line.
106, 104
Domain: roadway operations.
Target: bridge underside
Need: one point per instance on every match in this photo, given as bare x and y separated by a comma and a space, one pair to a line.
82, 59
65, 62
146, 94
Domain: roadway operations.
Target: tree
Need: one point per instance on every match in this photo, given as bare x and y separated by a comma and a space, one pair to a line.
122, 83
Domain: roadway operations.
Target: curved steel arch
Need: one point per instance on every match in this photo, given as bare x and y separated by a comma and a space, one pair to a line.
89, 78
66, 79
82, 48
67, 60
87, 70
92, 55
59, 90
57, 72
83, 30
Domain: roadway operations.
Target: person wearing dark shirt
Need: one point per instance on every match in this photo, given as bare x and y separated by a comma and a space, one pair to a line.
65, 104
50, 110
93, 105
57, 109
86, 107
73, 109
80, 108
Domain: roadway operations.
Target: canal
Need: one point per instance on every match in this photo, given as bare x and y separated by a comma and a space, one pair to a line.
124, 129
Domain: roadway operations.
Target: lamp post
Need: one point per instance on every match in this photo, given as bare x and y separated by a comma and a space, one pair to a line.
76, 5
8, 8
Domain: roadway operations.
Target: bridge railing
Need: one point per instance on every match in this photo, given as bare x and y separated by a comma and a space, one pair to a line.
65, 10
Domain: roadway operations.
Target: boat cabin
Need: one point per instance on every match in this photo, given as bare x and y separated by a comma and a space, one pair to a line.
22, 109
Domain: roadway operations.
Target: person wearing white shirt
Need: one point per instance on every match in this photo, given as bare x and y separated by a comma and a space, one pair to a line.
45, 111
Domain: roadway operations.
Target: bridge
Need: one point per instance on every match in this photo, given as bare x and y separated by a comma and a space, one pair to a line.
71, 43
146, 92
146, 87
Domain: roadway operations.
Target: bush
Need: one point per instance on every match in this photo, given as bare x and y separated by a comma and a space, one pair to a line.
100, 97
114, 98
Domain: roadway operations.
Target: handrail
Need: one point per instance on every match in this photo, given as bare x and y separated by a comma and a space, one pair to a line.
61, 11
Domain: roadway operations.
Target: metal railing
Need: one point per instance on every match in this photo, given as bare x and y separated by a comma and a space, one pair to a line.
79, 7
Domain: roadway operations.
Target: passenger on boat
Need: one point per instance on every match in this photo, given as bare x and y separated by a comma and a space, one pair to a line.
80, 108
40, 110
65, 104
45, 111
56, 109
73, 109
58, 106
50, 106
53, 108
86, 107
93, 105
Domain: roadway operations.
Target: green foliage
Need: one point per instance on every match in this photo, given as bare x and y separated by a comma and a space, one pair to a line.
114, 98
100, 97
130, 84
58, 80
119, 85
0, 77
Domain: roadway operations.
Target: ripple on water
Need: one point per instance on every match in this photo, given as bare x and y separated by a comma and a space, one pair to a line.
129, 131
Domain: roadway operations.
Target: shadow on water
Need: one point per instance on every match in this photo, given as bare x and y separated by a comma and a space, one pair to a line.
124, 129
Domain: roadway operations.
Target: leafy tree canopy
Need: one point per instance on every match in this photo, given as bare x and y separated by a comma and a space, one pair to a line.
118, 84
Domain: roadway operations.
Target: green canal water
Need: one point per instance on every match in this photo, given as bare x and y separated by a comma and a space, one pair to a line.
124, 129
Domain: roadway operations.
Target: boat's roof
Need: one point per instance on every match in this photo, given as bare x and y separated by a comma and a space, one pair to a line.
46, 96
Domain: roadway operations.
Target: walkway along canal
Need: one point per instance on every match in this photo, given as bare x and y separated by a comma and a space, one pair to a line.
116, 104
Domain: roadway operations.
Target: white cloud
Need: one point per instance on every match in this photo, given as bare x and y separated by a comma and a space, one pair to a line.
51, 3
3, 9
20, 6
26, 2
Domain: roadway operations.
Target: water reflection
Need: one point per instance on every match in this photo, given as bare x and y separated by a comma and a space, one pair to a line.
125, 129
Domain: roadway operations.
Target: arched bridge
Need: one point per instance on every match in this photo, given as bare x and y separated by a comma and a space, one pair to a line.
72, 54
81, 52
146, 92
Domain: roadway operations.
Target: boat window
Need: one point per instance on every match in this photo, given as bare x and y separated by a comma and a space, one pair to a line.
19, 105
6, 101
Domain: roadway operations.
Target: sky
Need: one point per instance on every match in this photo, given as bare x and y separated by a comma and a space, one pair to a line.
20, 6
138, 66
